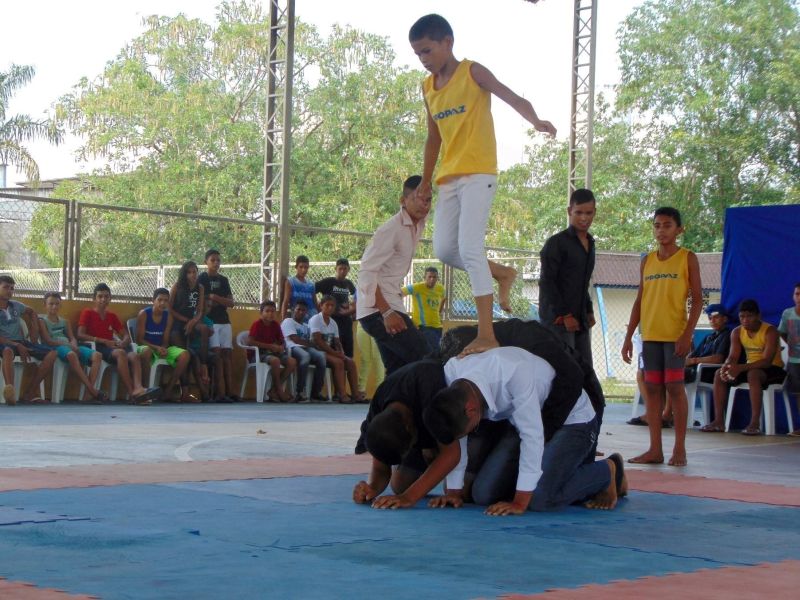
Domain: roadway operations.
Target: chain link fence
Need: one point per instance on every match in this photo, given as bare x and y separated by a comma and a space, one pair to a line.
54, 245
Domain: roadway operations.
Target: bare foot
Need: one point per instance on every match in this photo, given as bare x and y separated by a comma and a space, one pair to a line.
648, 458
479, 345
505, 279
204, 378
678, 459
607, 499
8, 395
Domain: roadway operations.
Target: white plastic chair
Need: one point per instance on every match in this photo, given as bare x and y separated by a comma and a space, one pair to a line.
19, 369
768, 402
310, 379
702, 390
104, 366
263, 373
155, 366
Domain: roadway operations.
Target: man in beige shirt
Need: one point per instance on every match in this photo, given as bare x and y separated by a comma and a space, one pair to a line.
384, 266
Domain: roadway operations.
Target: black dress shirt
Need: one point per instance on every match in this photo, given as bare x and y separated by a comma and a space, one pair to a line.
566, 268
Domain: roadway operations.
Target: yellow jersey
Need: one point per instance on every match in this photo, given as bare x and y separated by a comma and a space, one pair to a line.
425, 304
754, 346
462, 111
665, 289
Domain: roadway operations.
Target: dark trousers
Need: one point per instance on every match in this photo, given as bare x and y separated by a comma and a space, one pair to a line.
570, 472
580, 341
345, 325
432, 335
396, 350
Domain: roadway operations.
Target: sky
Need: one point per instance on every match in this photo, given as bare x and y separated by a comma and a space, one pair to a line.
527, 46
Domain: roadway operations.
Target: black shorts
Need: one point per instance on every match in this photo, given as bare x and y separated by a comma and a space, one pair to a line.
774, 375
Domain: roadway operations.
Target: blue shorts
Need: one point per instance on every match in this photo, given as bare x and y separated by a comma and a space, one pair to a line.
84, 353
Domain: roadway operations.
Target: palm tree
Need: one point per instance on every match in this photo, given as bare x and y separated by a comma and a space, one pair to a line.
18, 129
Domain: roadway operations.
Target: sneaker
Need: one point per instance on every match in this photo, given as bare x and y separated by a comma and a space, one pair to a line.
318, 398
8, 395
223, 400
301, 398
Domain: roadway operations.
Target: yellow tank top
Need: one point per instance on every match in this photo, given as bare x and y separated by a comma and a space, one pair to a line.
665, 288
462, 111
754, 346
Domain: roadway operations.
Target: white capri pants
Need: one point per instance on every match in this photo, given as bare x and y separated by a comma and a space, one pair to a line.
459, 227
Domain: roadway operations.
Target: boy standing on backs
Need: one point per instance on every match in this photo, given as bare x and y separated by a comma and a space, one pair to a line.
219, 298
668, 277
458, 101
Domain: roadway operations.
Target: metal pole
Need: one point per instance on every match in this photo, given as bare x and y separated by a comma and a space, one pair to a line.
283, 234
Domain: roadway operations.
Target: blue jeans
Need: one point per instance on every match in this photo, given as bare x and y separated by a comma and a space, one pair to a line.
305, 356
432, 335
570, 472
396, 350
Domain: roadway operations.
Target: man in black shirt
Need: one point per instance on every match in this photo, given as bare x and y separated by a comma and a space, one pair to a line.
343, 291
219, 299
567, 263
714, 348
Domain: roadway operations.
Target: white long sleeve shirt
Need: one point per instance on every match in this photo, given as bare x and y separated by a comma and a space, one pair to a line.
386, 262
515, 385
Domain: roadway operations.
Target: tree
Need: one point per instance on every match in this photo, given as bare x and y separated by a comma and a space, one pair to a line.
717, 88
179, 115
15, 130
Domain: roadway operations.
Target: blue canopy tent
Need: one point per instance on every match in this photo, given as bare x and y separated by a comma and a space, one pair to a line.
761, 260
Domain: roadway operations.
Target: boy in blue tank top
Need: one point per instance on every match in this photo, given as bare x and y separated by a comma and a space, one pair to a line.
153, 325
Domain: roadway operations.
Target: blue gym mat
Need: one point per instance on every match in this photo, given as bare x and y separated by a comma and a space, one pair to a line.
303, 537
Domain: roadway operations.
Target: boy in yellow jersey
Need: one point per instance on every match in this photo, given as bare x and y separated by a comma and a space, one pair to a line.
428, 301
764, 366
668, 277
458, 101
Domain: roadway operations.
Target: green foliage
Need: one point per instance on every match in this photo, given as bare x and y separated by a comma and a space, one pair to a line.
15, 130
716, 86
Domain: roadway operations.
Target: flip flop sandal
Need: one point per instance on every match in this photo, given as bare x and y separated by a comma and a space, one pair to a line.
620, 473
712, 429
754, 431
636, 421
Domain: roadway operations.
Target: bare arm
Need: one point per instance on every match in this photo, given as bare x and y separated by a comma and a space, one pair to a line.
684, 343
320, 343
433, 144
287, 298
484, 78
175, 314
379, 476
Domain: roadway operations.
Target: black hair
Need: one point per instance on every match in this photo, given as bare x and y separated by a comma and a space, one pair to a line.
796, 285
581, 196
52, 295
432, 270
749, 306
446, 414
183, 282
327, 298
211, 252
342, 261
100, 287
387, 437
301, 258
7, 279
455, 340
265, 304
411, 183
431, 26
668, 211
300, 302
160, 292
